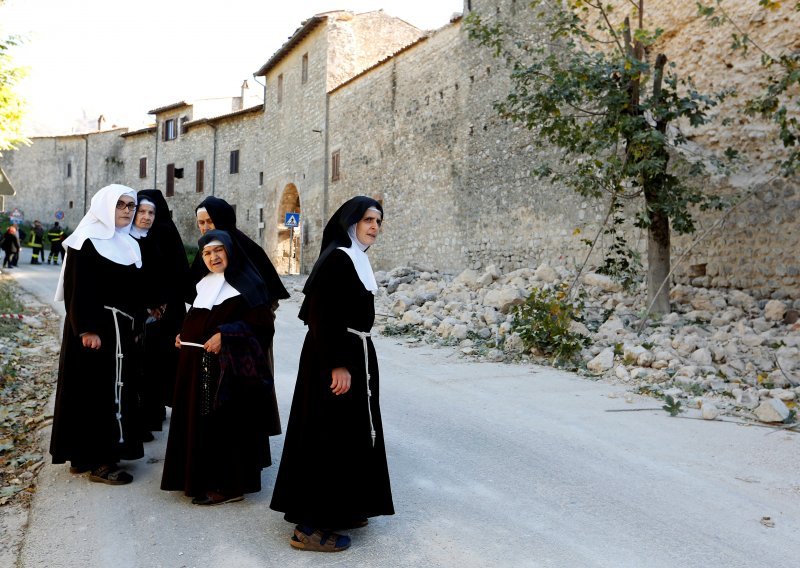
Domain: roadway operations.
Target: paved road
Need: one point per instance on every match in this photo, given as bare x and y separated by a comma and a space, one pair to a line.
492, 465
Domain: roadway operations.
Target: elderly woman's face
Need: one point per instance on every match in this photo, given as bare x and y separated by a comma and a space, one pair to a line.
204, 222
123, 213
216, 258
368, 227
145, 215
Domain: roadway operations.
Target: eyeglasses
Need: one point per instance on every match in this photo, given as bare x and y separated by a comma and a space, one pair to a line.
122, 205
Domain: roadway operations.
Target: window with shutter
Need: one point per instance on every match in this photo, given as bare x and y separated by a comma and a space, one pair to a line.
235, 161
170, 180
142, 167
199, 177
335, 166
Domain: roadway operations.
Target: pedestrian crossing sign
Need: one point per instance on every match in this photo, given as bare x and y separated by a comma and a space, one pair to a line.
292, 220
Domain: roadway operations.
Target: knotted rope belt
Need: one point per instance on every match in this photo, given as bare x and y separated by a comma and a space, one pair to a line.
118, 360
364, 335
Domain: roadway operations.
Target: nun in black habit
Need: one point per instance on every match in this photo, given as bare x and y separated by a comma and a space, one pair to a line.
219, 214
95, 422
166, 274
225, 407
333, 472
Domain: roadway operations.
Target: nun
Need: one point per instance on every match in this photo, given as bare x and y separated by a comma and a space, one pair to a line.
216, 213
333, 473
166, 273
225, 407
95, 422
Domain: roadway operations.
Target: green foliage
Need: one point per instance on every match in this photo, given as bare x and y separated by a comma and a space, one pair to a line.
191, 252
672, 406
397, 329
8, 305
791, 418
543, 322
779, 99
12, 107
622, 263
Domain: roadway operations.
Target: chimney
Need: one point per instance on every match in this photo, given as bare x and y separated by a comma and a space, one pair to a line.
238, 102
100, 120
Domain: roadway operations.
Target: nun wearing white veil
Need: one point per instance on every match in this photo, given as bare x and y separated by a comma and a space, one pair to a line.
95, 423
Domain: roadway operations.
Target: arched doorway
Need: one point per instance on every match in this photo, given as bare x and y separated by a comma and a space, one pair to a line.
287, 253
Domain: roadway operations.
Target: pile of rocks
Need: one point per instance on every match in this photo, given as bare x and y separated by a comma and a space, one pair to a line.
720, 350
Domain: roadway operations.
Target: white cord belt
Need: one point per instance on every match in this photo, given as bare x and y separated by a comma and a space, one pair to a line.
118, 360
364, 335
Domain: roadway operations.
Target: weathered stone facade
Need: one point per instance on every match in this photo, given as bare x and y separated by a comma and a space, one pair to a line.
367, 104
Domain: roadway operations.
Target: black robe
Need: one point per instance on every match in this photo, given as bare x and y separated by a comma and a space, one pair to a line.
225, 449
86, 430
165, 275
330, 474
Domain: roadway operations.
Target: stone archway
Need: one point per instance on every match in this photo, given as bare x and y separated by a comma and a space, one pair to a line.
287, 251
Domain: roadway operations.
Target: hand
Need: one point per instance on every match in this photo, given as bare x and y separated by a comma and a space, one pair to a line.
214, 344
178, 341
340, 382
91, 340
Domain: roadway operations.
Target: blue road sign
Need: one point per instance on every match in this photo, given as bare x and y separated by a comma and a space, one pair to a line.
59, 215
292, 220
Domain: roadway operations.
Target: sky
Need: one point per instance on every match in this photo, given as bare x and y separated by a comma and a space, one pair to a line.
121, 59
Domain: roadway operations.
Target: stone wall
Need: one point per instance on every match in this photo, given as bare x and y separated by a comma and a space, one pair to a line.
51, 174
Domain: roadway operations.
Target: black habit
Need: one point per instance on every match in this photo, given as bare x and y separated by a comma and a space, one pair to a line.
331, 475
166, 273
86, 429
225, 406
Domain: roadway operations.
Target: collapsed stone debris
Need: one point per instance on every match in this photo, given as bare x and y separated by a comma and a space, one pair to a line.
721, 351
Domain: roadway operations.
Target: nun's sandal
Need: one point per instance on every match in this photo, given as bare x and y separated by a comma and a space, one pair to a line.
316, 540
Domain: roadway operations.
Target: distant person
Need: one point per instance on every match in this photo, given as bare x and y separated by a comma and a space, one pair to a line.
95, 422
333, 473
166, 272
10, 245
36, 243
225, 406
56, 236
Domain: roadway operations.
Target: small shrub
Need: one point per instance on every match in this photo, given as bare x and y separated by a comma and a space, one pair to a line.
543, 322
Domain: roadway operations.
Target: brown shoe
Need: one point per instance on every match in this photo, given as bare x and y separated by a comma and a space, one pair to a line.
110, 474
214, 498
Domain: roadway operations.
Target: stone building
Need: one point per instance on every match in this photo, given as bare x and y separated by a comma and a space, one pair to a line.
367, 104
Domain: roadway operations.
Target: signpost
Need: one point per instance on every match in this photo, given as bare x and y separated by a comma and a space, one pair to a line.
59, 215
16, 216
291, 220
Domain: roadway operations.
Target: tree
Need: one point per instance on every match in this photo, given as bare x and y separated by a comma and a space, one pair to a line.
12, 107
592, 88
779, 99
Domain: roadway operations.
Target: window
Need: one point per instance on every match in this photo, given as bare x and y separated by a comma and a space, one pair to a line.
179, 173
260, 178
71, 205
170, 180
142, 167
169, 132
304, 75
184, 120
199, 176
235, 161
69, 169
335, 166
280, 88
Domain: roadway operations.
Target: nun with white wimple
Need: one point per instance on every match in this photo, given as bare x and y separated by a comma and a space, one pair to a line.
224, 408
333, 472
95, 422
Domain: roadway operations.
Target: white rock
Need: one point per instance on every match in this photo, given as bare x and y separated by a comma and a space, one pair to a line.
504, 298
601, 281
709, 411
603, 362
611, 327
783, 394
772, 410
459, 331
622, 373
578, 327
514, 344
545, 274
468, 277
774, 310
411, 317
702, 357
491, 316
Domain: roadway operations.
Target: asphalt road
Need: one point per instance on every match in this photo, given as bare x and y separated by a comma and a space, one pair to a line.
492, 465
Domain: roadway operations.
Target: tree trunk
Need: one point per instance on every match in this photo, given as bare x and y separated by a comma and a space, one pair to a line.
658, 263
